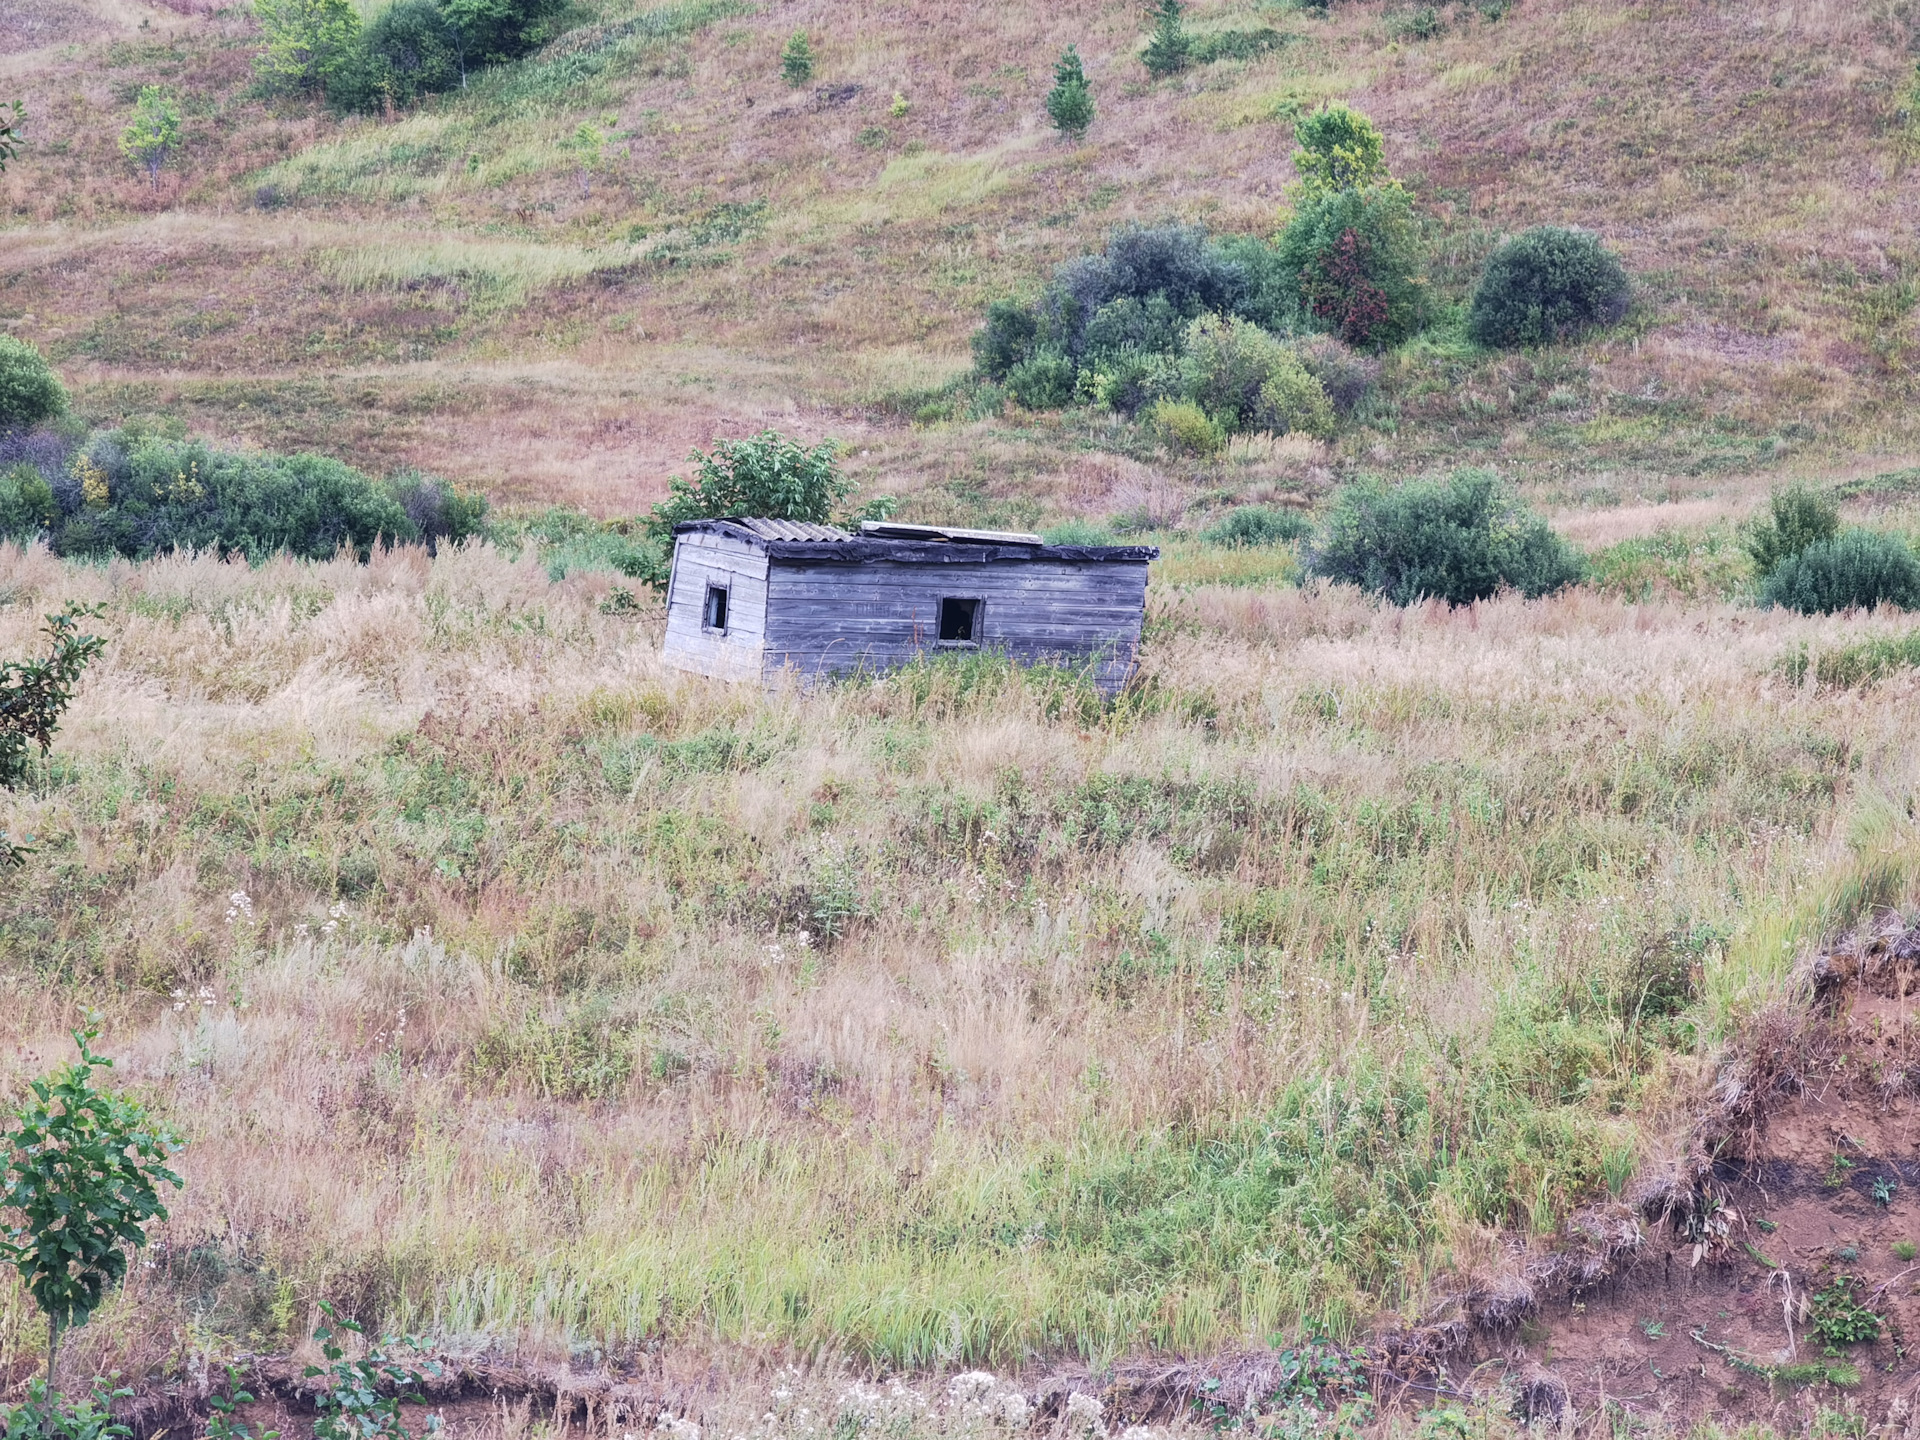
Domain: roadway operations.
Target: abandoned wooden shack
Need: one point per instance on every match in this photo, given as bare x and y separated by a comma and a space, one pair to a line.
757, 599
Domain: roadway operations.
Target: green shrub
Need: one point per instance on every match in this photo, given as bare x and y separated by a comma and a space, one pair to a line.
27, 506
1247, 380
1856, 569
139, 496
1347, 377
1077, 532
1044, 381
310, 43
29, 390
1133, 379
1070, 102
1459, 540
415, 48
438, 511
1009, 336
1357, 262
407, 52
1234, 45
1546, 285
1183, 425
1797, 517
1258, 525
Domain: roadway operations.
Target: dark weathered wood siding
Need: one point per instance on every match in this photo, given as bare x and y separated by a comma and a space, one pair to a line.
702, 560
825, 617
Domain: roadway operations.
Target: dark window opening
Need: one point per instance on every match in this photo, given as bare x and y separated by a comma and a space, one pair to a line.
717, 608
959, 622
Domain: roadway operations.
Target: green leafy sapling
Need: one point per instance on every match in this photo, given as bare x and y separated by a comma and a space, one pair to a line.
153, 134
225, 1423
44, 1415
11, 119
82, 1181
34, 694
351, 1405
1070, 102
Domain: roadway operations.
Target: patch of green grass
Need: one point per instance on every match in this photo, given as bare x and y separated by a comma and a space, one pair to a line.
1695, 564
1851, 666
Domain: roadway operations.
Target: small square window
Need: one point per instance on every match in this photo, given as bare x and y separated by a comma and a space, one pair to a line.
959, 621
716, 614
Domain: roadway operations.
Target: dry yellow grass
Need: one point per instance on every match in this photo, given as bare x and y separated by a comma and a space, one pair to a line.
572, 997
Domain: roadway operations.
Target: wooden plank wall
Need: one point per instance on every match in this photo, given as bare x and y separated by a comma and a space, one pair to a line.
878, 614
699, 560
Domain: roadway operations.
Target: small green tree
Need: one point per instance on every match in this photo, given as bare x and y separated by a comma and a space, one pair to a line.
309, 43
153, 133
350, 1401
1797, 517
1170, 49
10, 133
29, 390
82, 1183
1356, 256
34, 694
766, 475
796, 59
1340, 149
1070, 102
587, 143
1548, 284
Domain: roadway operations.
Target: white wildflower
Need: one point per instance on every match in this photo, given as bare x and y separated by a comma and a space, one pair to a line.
673, 1427
1013, 1411
1085, 1416
972, 1387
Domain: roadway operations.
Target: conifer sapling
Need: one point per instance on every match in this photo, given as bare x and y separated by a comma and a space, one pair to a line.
1070, 102
1171, 48
796, 59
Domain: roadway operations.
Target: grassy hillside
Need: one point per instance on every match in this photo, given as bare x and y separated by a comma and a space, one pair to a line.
449, 289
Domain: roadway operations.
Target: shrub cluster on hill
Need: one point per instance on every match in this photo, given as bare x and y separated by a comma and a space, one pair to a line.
146, 490
1807, 562
1217, 336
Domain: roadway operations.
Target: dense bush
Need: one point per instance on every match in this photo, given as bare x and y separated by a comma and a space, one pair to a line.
1255, 525
423, 47
1356, 260
1183, 425
410, 50
1348, 378
1545, 285
137, 493
1459, 540
29, 390
1245, 379
1854, 569
1797, 517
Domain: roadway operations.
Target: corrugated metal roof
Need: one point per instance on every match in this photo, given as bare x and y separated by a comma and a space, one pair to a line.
790, 529
889, 530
